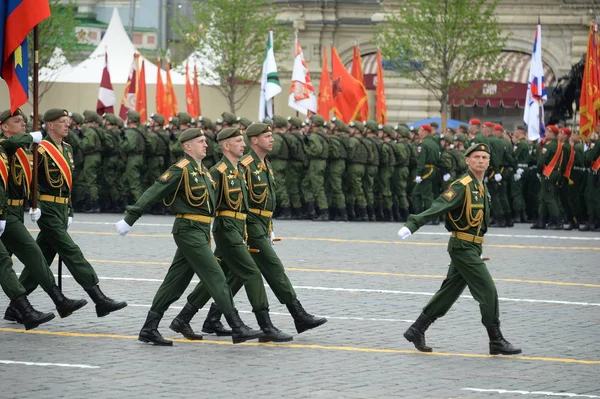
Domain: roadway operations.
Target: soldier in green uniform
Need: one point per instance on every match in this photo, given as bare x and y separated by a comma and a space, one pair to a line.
592, 185
261, 202
358, 156
402, 154
55, 169
521, 158
466, 205
334, 186
208, 127
74, 140
413, 161
296, 165
447, 162
187, 187
279, 159
91, 145
577, 182
372, 169
475, 136
499, 175
548, 169
387, 163
175, 150
230, 234
429, 154
113, 165
16, 239
568, 161
133, 146
316, 147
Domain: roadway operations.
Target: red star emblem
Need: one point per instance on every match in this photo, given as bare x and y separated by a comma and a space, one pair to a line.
337, 88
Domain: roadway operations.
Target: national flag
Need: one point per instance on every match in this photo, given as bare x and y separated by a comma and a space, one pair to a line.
269, 82
106, 94
536, 91
128, 100
140, 95
302, 93
196, 92
171, 99
189, 93
349, 95
589, 101
357, 73
325, 101
160, 92
17, 19
380, 106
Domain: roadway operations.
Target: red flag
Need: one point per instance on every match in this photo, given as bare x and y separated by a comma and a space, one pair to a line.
380, 107
357, 73
140, 95
589, 101
128, 100
196, 92
325, 103
189, 93
171, 100
106, 94
18, 18
349, 95
160, 93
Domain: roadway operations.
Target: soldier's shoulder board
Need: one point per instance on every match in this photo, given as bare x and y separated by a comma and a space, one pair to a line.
182, 163
66, 144
247, 160
222, 167
466, 180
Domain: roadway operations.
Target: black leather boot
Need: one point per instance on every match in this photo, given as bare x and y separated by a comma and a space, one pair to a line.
30, 317
310, 211
323, 216
416, 332
286, 213
302, 319
499, 345
371, 213
212, 323
64, 306
181, 323
362, 215
554, 224
270, 332
403, 215
12, 314
240, 331
498, 223
387, 215
149, 332
396, 212
350, 212
104, 305
296, 213
539, 225
341, 215
509, 221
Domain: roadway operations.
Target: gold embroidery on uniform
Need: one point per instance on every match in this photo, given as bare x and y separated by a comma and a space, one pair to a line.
472, 221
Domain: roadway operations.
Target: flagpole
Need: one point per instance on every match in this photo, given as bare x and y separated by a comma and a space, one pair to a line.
34, 147
540, 99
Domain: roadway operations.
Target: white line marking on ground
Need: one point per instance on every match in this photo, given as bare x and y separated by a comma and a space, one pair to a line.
501, 391
287, 314
78, 366
339, 289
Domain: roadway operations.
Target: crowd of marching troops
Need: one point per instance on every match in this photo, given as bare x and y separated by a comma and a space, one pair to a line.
361, 171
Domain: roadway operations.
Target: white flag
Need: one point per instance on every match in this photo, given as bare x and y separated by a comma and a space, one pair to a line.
269, 83
302, 93
536, 91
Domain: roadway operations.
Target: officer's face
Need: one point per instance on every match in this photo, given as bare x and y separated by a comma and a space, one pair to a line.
196, 147
14, 125
235, 146
478, 161
60, 127
264, 141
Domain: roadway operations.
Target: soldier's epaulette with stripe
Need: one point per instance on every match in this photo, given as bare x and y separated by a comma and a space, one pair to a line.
182, 163
247, 160
466, 180
67, 144
222, 167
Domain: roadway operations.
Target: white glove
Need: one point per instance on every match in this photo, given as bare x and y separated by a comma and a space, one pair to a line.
498, 177
122, 228
446, 177
538, 176
272, 238
35, 214
520, 171
517, 177
418, 179
69, 222
485, 179
404, 233
37, 137
2, 226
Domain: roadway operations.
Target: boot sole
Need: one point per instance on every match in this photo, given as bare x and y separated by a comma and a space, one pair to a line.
411, 339
107, 312
30, 326
67, 313
149, 341
242, 340
13, 319
508, 353
178, 330
306, 328
218, 334
264, 340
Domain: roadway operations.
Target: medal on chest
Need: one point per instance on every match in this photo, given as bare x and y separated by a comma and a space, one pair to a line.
231, 178
195, 176
257, 174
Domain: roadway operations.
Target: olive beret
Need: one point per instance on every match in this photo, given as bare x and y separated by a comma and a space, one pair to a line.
389, 130
54, 113
228, 133
447, 138
77, 117
358, 125
244, 122
279, 121
257, 128
184, 118
229, 118
189, 134
296, 122
477, 147
158, 118
110, 118
92, 116
372, 126
4, 115
133, 116
317, 120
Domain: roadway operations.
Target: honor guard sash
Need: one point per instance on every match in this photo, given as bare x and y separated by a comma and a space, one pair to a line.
4, 170
596, 165
547, 170
60, 160
23, 159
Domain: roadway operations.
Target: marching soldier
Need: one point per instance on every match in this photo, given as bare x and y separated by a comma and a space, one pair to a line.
338, 153
576, 189
548, 169
592, 188
175, 150
372, 169
564, 182
316, 147
188, 188
212, 154
447, 162
55, 184
133, 146
429, 154
91, 145
358, 157
466, 205
521, 157
279, 159
387, 162
113, 164
74, 140
475, 136
296, 165
499, 176
402, 154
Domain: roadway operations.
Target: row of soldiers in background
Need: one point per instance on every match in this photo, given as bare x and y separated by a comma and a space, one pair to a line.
361, 171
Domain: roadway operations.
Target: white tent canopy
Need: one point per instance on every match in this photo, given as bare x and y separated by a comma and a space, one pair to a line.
120, 50
58, 64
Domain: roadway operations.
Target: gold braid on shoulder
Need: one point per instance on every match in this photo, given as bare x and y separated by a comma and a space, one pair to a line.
54, 183
165, 201
234, 205
472, 221
254, 197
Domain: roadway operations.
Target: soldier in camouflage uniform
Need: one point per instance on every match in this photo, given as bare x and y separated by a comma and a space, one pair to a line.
74, 139
316, 147
338, 153
358, 156
279, 159
175, 150
91, 145
387, 164
372, 168
133, 146
296, 165
113, 165
401, 172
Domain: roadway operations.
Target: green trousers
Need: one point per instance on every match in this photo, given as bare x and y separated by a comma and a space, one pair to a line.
54, 238
423, 195
78, 194
313, 184
193, 256
369, 183
516, 195
399, 185
154, 168
336, 169
592, 193
548, 198
8, 278
19, 242
134, 171
235, 259
280, 174
92, 172
293, 181
113, 169
355, 173
494, 189
575, 194
385, 186
466, 270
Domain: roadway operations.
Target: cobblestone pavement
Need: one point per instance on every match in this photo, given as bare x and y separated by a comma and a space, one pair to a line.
370, 285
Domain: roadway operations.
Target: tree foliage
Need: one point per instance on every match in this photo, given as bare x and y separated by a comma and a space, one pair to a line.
232, 35
443, 43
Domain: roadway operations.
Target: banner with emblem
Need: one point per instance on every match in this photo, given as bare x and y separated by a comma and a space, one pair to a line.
60, 160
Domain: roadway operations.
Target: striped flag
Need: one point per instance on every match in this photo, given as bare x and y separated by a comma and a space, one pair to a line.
106, 94
536, 91
269, 83
302, 93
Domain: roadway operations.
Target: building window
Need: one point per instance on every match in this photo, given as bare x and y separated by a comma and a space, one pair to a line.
137, 38
150, 39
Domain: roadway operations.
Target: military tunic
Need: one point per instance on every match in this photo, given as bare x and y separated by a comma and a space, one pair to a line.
313, 184
521, 157
548, 195
91, 145
279, 157
358, 156
429, 154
